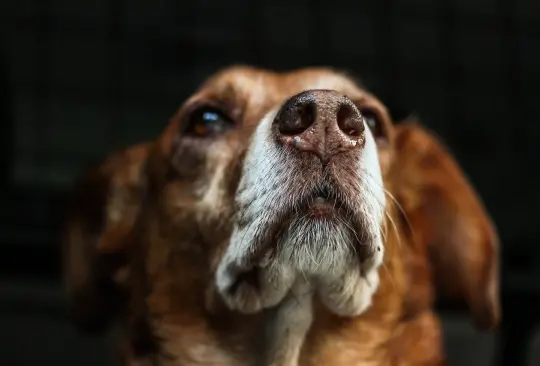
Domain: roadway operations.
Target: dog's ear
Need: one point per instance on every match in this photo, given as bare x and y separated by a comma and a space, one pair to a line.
97, 235
448, 218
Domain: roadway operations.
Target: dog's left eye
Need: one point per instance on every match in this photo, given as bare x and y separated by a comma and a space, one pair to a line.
373, 122
207, 122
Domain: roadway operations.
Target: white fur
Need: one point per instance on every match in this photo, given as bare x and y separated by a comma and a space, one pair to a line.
318, 250
258, 173
288, 325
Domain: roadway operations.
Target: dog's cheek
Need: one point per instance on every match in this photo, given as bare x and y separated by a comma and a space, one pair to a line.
234, 172
188, 157
385, 158
216, 209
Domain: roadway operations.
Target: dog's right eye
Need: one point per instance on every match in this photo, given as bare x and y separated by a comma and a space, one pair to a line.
207, 122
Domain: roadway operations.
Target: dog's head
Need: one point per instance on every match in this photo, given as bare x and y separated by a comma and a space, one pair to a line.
104, 207
261, 177
281, 174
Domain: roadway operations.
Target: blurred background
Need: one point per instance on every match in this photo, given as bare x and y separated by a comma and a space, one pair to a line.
78, 79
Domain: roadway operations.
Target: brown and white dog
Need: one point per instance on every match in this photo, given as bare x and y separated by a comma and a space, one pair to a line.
283, 219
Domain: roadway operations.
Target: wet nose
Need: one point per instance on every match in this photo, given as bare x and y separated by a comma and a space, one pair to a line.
322, 122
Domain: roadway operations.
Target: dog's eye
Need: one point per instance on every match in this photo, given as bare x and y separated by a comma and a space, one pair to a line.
207, 122
373, 122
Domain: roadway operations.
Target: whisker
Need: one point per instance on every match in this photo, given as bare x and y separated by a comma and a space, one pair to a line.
387, 215
402, 210
393, 199
352, 230
385, 266
396, 231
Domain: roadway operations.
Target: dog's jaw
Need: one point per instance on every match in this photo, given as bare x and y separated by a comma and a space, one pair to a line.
324, 251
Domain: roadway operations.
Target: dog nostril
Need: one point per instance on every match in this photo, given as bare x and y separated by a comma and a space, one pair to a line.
350, 121
297, 119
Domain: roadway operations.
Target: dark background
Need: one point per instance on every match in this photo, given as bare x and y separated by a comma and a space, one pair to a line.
78, 79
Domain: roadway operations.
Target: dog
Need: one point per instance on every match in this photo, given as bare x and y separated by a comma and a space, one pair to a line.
104, 206
285, 219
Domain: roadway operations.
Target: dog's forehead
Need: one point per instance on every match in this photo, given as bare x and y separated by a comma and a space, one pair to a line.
254, 87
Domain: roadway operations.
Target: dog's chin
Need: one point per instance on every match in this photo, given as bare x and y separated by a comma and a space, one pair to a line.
319, 242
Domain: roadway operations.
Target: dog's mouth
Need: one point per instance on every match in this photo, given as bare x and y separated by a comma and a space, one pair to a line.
324, 203
323, 206
321, 232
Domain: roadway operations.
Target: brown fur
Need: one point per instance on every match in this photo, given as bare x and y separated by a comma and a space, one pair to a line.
437, 234
104, 207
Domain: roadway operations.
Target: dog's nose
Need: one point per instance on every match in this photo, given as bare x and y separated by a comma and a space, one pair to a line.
322, 122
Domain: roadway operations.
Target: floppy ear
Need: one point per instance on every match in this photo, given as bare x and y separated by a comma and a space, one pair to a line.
449, 219
96, 239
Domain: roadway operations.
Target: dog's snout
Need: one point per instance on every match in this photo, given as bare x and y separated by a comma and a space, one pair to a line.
322, 122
